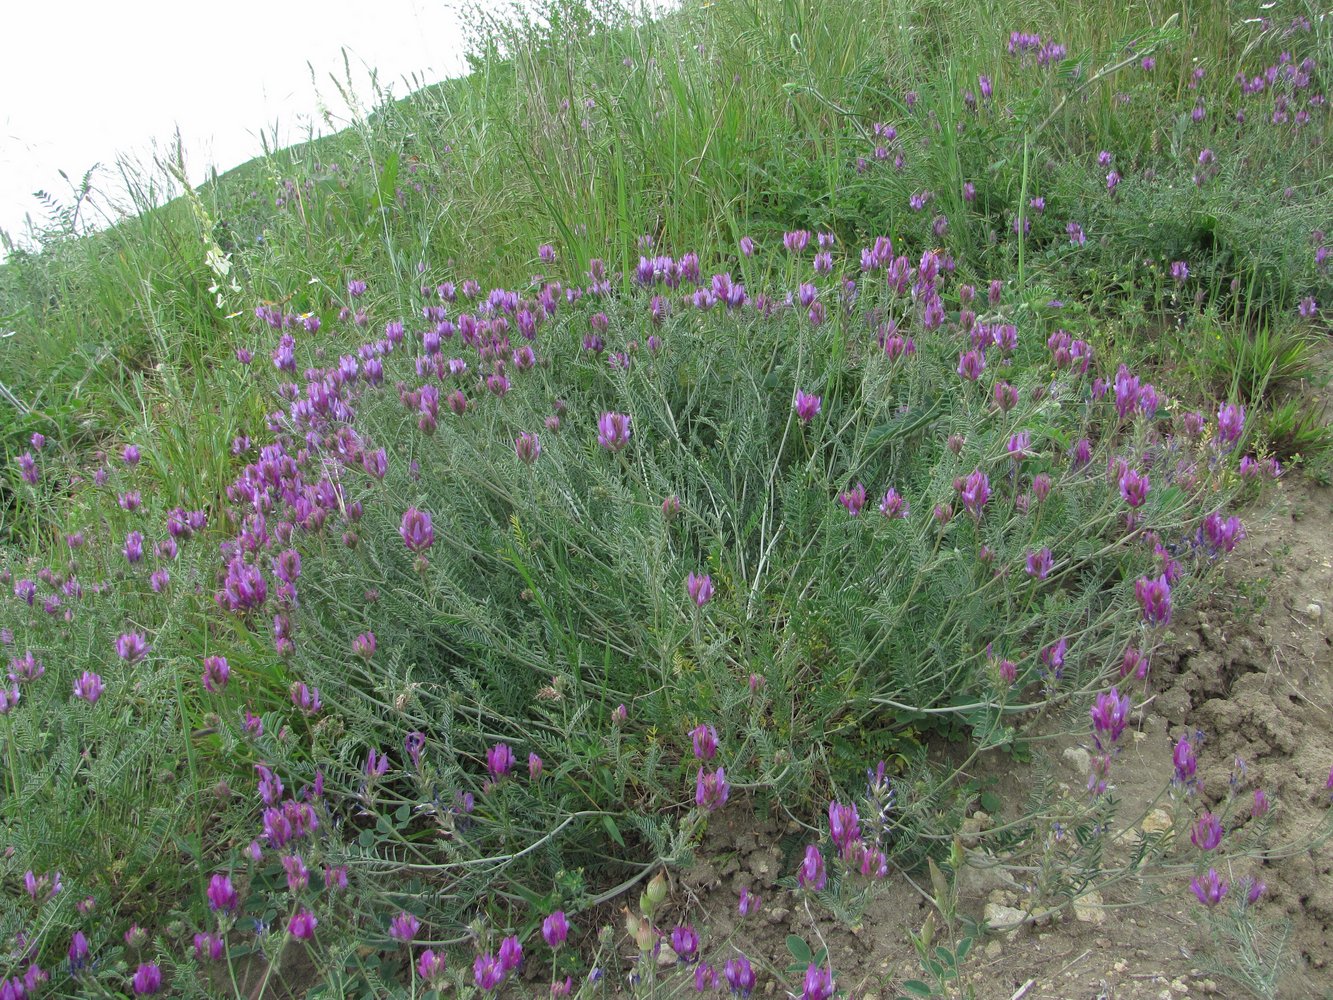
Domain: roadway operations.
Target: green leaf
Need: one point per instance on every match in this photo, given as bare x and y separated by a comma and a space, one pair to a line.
917, 988
799, 949
613, 830
964, 946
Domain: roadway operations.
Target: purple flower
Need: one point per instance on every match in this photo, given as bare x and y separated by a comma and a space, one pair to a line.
78, 950
28, 468
1110, 714
222, 894
487, 972
535, 766
705, 741
306, 698
133, 547
613, 431
1040, 563
747, 246
499, 761
1206, 834
700, 588
685, 942
302, 925
1134, 488
796, 241
705, 978
216, 673
555, 929
1261, 805
131, 647
130, 454
527, 447
431, 968
403, 928
811, 874
854, 499
417, 531
1209, 889
1154, 596
739, 975
147, 980
364, 645
893, 505
1221, 535
749, 903
1307, 307
1053, 657
807, 406
976, 492
711, 789
1180, 271
1184, 761
209, 947
1230, 424
818, 983
844, 825
971, 364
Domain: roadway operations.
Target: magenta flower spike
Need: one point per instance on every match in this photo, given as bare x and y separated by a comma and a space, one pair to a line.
1206, 833
854, 499
1154, 596
818, 983
740, 976
147, 980
131, 647
807, 406
487, 972
416, 530
700, 588
613, 431
222, 894
711, 789
403, 928
812, 874
704, 738
499, 761
302, 925
1209, 889
555, 929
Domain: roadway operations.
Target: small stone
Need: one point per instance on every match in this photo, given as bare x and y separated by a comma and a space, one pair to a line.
1178, 986
1078, 758
769, 988
1157, 821
1089, 908
993, 949
1120, 966
1314, 610
777, 915
1004, 916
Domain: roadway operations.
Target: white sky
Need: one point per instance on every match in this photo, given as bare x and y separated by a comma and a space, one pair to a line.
82, 81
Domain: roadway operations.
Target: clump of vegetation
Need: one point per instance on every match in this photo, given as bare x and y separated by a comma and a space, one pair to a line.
460, 510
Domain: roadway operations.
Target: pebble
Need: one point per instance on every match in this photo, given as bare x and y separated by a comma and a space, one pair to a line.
1089, 908
1314, 610
1157, 821
1078, 758
993, 949
997, 915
